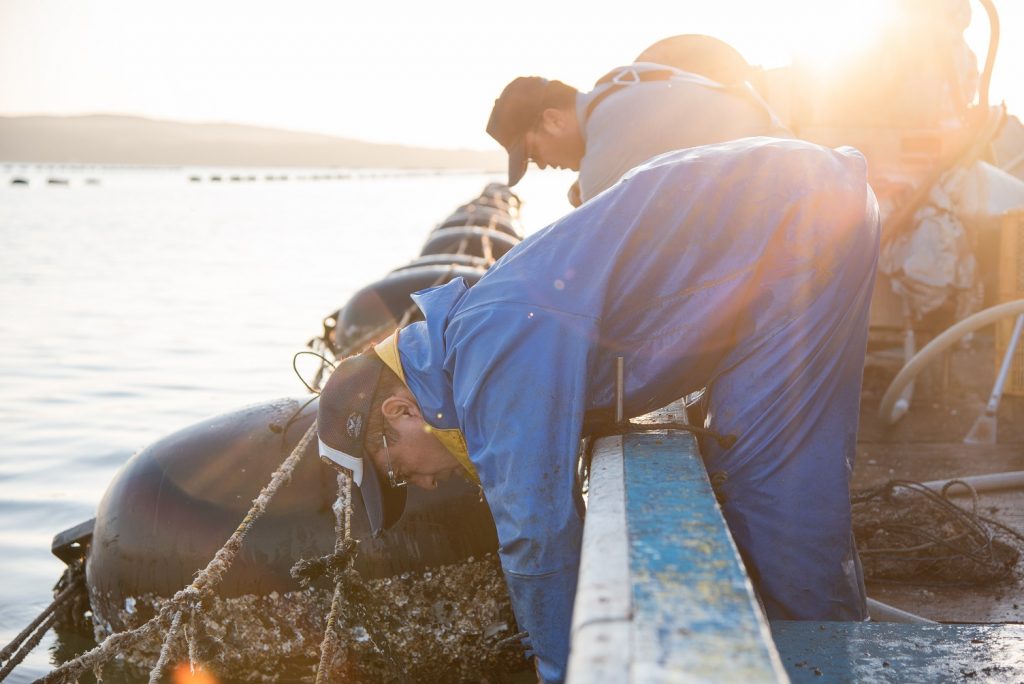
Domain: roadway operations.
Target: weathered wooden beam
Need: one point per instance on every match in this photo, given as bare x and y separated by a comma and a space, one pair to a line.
663, 595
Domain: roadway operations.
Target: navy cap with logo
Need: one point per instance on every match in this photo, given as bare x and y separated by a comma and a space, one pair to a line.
514, 113
342, 420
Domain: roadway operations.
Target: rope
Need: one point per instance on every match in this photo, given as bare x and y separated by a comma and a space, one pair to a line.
23, 644
204, 584
192, 644
347, 581
908, 533
27, 647
343, 529
165, 652
54, 606
514, 640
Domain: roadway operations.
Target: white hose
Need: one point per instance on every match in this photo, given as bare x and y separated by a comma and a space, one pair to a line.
893, 407
883, 612
993, 482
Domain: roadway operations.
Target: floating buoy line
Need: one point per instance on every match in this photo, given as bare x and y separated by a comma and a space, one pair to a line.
180, 623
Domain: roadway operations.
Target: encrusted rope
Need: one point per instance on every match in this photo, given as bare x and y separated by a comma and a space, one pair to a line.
165, 652
203, 585
343, 530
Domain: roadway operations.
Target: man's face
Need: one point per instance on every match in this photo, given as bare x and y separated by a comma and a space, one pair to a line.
417, 456
555, 140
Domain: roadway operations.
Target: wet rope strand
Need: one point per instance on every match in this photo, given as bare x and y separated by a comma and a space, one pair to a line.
343, 531
206, 581
165, 651
27, 647
54, 606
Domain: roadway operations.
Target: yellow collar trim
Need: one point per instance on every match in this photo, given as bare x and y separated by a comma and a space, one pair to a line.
387, 350
452, 438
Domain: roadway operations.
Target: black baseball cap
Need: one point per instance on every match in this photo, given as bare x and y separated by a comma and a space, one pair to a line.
514, 113
342, 419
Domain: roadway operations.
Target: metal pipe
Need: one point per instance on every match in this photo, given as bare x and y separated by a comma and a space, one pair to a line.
1004, 369
984, 429
980, 483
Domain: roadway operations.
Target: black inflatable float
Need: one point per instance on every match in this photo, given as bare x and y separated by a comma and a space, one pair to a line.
172, 505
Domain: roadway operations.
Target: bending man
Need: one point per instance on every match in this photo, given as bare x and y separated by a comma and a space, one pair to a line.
632, 114
745, 267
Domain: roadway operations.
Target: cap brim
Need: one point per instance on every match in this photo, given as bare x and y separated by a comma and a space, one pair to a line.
384, 504
517, 161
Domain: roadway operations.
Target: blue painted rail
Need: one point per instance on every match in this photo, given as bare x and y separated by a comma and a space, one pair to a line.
662, 591
663, 595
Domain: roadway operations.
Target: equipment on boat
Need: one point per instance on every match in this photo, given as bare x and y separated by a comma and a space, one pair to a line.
893, 406
984, 429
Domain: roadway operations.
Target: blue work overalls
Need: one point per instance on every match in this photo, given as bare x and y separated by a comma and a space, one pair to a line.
746, 268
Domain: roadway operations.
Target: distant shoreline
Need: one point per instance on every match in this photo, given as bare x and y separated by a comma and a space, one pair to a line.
111, 140
11, 166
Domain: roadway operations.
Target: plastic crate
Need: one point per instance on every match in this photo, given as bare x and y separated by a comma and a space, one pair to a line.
1011, 287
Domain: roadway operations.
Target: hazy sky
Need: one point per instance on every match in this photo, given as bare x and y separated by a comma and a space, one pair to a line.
414, 73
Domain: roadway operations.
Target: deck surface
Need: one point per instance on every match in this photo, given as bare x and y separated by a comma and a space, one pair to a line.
886, 652
927, 444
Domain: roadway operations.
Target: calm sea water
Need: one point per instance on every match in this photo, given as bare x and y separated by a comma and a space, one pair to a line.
140, 303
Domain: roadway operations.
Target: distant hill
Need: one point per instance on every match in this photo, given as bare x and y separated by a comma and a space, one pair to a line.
109, 139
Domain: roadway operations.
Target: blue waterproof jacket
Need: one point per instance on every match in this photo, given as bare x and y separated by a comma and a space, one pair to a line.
746, 268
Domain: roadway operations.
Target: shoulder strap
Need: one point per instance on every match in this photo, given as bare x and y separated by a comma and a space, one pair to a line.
623, 77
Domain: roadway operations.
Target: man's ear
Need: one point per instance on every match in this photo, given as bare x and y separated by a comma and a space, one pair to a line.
398, 405
554, 120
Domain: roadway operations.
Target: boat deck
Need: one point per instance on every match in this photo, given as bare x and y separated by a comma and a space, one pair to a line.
890, 652
927, 445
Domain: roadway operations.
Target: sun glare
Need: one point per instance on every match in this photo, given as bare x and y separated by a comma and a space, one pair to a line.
183, 674
833, 34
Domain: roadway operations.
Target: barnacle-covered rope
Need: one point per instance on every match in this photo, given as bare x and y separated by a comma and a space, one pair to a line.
191, 596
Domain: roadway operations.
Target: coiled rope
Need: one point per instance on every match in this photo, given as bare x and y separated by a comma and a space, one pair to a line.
909, 534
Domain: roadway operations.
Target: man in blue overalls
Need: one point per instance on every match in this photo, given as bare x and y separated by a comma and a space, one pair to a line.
744, 267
